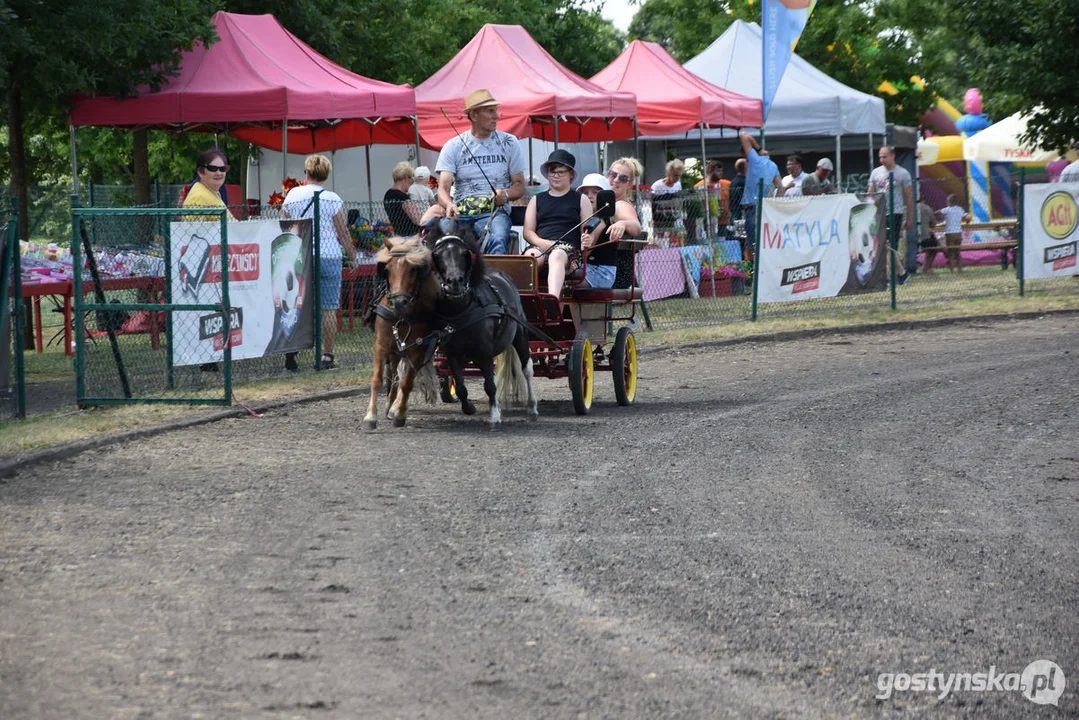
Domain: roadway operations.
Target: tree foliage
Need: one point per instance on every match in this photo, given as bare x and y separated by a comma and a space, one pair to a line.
1022, 57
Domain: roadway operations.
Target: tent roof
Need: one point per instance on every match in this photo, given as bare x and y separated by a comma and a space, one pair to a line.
258, 73
532, 87
1000, 143
670, 99
808, 102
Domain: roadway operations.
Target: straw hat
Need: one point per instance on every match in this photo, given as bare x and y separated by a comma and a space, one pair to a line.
479, 99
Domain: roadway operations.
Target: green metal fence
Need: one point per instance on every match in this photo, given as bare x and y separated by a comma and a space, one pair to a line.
121, 324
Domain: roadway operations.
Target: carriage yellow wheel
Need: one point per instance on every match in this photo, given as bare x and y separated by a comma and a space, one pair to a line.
624, 366
580, 375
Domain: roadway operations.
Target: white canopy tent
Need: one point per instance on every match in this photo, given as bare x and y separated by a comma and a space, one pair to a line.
1000, 143
808, 102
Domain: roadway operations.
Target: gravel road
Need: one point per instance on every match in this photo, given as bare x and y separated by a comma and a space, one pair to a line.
772, 527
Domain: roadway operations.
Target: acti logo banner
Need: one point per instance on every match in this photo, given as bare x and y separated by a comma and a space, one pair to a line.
1050, 230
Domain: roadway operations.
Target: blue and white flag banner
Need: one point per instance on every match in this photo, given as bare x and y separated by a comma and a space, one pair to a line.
782, 23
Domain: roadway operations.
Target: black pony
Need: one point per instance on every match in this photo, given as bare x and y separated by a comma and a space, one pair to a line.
480, 310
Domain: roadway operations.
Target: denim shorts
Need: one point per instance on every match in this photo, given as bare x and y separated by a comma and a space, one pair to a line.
600, 277
329, 276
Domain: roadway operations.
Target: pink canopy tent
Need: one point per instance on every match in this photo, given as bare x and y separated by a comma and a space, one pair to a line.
671, 99
254, 81
540, 98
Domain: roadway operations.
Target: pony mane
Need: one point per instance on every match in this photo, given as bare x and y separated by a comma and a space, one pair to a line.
416, 252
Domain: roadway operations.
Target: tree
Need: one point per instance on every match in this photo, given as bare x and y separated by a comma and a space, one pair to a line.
1022, 58
50, 49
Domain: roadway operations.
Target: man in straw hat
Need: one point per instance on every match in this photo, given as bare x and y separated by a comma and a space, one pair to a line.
486, 170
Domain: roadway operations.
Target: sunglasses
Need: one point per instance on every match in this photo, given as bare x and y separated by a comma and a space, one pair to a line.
217, 168
620, 177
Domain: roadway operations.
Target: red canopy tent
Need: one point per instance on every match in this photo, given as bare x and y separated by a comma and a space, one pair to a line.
671, 99
255, 80
540, 98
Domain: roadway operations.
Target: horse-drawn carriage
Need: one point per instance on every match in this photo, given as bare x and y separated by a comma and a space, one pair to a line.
454, 310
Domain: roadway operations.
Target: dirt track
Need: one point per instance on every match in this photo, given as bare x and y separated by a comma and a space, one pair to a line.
771, 527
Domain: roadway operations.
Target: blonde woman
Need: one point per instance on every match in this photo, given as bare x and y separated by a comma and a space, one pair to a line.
603, 259
334, 242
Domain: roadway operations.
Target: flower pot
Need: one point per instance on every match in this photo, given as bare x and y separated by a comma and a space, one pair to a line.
723, 287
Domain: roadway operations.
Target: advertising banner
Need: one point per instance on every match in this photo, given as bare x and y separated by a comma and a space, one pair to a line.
271, 292
822, 246
1049, 230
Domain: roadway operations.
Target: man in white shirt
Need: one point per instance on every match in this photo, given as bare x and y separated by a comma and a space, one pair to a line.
899, 200
792, 181
485, 169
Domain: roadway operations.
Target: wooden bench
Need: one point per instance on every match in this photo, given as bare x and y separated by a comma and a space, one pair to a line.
992, 226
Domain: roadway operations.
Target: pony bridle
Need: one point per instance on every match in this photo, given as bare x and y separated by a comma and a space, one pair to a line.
446, 241
410, 297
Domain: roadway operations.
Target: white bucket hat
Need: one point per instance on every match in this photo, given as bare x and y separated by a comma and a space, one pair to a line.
594, 180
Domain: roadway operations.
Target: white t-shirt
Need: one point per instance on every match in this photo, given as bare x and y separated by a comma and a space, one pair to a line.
878, 182
660, 187
793, 185
298, 204
1070, 173
493, 160
953, 218
422, 196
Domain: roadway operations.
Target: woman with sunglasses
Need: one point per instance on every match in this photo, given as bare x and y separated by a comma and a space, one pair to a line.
602, 262
552, 219
208, 190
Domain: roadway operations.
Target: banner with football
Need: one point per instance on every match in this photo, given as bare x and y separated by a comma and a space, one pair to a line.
270, 288
822, 246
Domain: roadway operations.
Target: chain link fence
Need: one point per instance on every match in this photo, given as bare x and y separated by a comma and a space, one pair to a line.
699, 270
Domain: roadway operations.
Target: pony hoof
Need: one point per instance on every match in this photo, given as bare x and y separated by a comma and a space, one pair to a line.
533, 416
398, 422
370, 425
468, 407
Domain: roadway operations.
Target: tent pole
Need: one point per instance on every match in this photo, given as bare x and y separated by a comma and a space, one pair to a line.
284, 150
555, 118
74, 163
838, 161
531, 170
416, 126
707, 210
870, 152
637, 141
367, 161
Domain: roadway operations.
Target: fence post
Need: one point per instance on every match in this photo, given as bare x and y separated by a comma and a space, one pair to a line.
893, 241
758, 213
170, 370
316, 270
76, 294
1019, 230
11, 263
226, 306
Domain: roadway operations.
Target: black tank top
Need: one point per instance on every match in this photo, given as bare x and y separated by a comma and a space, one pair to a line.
555, 216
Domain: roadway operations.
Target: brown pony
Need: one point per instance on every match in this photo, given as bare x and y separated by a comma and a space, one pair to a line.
402, 320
